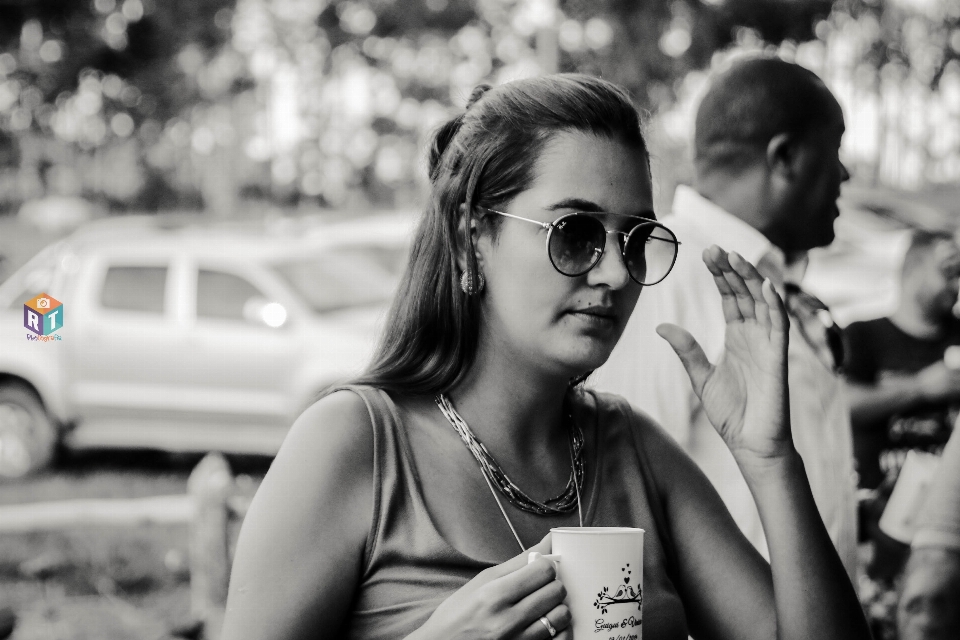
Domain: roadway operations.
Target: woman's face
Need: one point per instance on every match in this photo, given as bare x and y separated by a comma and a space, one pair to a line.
562, 325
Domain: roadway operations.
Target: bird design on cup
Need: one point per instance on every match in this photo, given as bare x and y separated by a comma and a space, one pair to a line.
625, 593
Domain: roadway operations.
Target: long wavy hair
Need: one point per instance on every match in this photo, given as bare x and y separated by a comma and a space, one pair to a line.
482, 158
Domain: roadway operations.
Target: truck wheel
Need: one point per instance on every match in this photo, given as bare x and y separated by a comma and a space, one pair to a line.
28, 437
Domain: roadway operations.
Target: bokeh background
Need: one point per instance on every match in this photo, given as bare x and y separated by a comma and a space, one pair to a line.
232, 106
265, 111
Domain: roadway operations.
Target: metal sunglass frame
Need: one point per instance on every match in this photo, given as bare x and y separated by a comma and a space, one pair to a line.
550, 226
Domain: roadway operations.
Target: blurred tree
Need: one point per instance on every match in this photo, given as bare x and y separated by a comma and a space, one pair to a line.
653, 45
898, 65
329, 101
91, 75
369, 79
920, 35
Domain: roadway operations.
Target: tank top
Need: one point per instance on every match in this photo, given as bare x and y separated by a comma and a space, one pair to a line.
409, 568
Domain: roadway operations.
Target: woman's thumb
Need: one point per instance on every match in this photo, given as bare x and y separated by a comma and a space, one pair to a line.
690, 353
516, 562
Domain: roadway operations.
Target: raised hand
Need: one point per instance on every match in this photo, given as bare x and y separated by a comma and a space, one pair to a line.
745, 393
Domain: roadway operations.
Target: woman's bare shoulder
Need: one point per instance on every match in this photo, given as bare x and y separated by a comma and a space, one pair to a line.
664, 455
328, 455
337, 423
647, 428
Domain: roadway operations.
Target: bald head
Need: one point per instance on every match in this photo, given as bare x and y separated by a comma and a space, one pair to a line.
749, 104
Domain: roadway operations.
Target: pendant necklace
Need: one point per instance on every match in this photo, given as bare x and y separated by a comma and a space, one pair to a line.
495, 476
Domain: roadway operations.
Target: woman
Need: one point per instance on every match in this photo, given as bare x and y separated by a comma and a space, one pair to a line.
383, 516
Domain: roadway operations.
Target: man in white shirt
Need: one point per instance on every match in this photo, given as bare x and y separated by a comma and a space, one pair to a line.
767, 177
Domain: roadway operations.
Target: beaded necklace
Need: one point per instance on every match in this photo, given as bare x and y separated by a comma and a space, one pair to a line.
495, 476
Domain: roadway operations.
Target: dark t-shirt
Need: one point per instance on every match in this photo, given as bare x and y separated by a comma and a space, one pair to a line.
876, 349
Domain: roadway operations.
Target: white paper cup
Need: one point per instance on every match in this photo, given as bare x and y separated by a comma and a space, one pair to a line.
899, 518
602, 571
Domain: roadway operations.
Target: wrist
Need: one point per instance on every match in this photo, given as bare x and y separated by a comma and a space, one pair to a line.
763, 470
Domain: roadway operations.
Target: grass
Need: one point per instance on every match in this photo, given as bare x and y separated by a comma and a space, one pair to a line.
102, 583
96, 582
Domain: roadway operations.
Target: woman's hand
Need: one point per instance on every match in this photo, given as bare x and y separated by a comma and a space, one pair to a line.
745, 393
505, 601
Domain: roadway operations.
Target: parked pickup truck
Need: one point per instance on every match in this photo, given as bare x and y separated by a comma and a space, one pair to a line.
187, 337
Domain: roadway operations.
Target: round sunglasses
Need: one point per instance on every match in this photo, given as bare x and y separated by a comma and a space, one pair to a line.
575, 244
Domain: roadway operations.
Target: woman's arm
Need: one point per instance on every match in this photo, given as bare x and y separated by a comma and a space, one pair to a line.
745, 396
814, 596
300, 552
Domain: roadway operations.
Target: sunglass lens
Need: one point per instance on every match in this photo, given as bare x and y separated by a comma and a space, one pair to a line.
576, 244
650, 253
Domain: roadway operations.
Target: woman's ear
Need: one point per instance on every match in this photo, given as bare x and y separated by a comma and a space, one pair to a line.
462, 246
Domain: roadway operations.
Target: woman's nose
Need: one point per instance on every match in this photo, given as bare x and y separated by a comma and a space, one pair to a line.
611, 270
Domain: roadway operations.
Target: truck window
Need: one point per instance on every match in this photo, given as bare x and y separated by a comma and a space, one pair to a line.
130, 288
223, 295
345, 277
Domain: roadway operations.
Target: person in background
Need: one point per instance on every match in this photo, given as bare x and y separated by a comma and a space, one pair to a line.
929, 604
903, 394
767, 175
903, 383
405, 504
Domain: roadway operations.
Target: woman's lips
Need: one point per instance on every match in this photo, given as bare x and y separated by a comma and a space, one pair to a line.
596, 315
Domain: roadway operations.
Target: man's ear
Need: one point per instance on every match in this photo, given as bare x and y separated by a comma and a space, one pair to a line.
462, 246
784, 152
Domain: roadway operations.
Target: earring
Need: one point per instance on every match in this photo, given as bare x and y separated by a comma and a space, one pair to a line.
467, 286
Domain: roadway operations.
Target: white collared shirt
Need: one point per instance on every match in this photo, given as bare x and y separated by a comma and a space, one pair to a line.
645, 370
